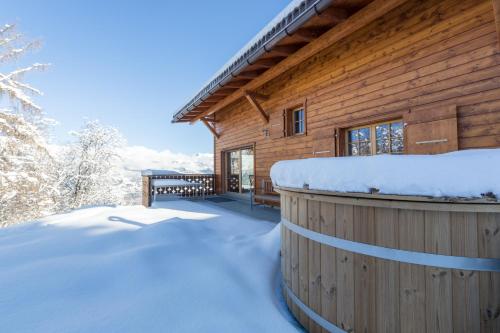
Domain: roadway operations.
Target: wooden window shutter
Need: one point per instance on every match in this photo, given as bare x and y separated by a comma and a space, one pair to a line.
324, 142
339, 141
277, 124
305, 116
288, 121
431, 131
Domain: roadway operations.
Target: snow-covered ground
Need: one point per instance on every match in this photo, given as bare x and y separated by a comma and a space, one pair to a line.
178, 267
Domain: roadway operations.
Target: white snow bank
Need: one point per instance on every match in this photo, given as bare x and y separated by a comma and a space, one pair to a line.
467, 173
179, 267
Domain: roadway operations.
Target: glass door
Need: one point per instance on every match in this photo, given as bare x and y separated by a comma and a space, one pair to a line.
239, 170
246, 170
233, 176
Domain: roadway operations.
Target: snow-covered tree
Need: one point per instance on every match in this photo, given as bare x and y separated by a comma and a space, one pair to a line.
12, 47
28, 186
93, 168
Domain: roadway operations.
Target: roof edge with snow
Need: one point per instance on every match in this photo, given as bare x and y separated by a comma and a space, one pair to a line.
294, 14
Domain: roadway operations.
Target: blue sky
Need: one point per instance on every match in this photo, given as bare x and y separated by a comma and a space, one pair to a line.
132, 64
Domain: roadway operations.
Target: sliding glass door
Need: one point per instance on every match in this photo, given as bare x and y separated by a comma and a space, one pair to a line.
239, 170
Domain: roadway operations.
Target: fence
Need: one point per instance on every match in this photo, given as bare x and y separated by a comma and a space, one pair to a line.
202, 185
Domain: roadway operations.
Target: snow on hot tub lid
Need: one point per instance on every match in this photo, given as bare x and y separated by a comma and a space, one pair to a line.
462, 174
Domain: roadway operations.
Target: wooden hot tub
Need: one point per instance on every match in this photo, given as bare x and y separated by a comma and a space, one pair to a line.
379, 263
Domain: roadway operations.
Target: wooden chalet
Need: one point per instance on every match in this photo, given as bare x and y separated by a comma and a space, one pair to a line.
354, 77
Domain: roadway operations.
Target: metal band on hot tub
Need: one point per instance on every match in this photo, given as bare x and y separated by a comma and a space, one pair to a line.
311, 314
410, 257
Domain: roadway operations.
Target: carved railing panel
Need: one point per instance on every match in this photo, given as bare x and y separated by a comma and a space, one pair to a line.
203, 185
233, 183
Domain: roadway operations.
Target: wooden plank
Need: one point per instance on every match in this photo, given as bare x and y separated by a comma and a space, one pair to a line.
344, 218
255, 104
335, 15
257, 95
284, 246
146, 191
307, 34
283, 249
387, 277
211, 128
496, 14
314, 252
412, 277
294, 264
466, 313
438, 289
489, 283
364, 272
288, 260
285, 50
248, 75
328, 265
303, 244
390, 201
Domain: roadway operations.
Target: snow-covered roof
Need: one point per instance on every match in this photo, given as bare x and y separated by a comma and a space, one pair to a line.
464, 174
289, 15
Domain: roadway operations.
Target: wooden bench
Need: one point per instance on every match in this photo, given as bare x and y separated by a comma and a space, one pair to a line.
267, 194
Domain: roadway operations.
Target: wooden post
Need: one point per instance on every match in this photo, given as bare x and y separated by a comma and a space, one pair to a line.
146, 191
211, 128
251, 99
496, 14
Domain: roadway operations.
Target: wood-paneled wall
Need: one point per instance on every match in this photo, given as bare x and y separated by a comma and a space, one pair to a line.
423, 55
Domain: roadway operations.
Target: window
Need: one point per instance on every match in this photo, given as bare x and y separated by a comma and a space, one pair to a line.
382, 138
296, 121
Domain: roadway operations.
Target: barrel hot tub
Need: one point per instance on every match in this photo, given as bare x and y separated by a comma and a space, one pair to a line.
380, 263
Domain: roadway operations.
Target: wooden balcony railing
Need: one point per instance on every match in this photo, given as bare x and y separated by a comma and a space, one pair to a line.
189, 185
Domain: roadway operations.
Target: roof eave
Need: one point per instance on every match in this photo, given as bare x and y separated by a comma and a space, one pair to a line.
305, 11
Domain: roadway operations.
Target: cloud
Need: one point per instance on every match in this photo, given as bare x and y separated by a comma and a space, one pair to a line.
136, 158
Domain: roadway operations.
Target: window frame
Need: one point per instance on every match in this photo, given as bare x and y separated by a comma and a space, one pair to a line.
373, 137
294, 120
289, 119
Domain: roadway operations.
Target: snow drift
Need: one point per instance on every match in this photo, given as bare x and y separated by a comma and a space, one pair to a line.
467, 173
179, 267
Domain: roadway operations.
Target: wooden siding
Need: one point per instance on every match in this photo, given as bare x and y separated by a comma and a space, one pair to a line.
423, 55
363, 293
146, 191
